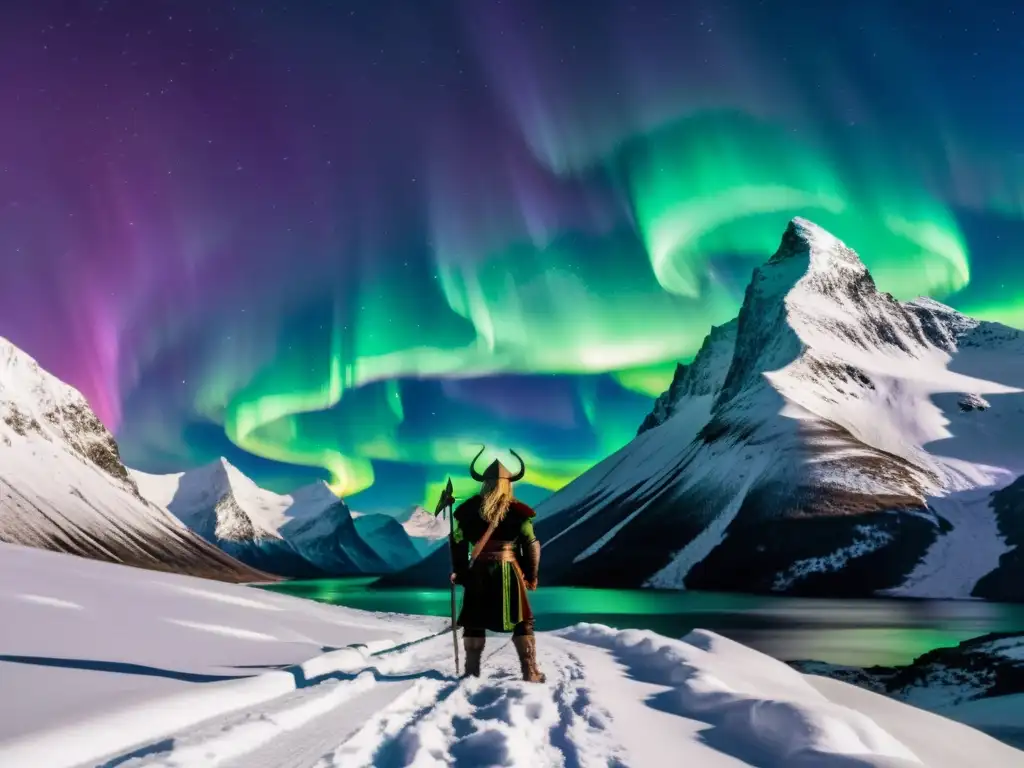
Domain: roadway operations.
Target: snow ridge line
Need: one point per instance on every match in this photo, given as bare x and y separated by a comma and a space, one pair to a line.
122, 730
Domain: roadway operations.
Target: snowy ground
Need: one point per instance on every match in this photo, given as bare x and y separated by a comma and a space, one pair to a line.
113, 661
81, 637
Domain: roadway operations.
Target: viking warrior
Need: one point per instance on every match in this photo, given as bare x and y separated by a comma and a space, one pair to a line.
501, 567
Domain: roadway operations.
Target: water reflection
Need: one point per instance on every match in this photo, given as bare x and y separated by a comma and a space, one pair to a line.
856, 632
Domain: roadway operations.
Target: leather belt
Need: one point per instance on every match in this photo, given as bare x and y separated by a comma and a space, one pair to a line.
498, 552
499, 556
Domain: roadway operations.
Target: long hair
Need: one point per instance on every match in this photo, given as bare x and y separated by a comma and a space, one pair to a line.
497, 496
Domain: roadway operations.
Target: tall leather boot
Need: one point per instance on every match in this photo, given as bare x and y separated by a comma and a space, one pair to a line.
474, 647
526, 647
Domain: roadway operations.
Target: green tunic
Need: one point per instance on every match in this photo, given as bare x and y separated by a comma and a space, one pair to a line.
495, 592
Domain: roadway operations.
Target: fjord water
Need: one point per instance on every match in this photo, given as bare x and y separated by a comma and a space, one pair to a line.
854, 632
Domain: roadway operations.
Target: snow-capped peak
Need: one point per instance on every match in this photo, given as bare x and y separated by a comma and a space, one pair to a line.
823, 249
221, 476
314, 494
240, 511
244, 510
423, 525
27, 385
814, 300
814, 262
35, 402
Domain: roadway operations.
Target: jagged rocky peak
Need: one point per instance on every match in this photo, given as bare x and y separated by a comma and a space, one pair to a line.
823, 250
809, 265
814, 299
811, 260
812, 285
665, 403
701, 377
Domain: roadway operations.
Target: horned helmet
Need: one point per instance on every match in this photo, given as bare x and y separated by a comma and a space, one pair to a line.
496, 470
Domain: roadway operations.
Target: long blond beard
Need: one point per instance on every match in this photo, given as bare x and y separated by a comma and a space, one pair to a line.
497, 496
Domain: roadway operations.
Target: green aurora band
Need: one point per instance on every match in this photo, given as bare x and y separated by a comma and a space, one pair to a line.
705, 193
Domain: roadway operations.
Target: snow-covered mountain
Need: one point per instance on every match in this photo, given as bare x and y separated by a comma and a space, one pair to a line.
306, 534
388, 538
830, 440
427, 531
63, 486
834, 454
226, 508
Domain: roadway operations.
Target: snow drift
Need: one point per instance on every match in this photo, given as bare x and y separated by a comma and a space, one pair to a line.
63, 486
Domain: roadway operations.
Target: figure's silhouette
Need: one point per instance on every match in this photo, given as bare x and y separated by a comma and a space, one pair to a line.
503, 564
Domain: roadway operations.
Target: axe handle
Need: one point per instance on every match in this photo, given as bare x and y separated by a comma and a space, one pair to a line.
455, 629
455, 634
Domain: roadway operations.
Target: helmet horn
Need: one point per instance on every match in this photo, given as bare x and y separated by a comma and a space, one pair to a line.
472, 466
522, 467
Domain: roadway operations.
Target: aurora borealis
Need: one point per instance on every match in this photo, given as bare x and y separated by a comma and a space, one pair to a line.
353, 240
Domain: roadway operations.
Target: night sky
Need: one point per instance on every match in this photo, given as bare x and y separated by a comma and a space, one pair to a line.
350, 240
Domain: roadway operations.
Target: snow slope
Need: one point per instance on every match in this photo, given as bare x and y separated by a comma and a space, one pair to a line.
107, 669
307, 534
829, 441
63, 486
1004, 583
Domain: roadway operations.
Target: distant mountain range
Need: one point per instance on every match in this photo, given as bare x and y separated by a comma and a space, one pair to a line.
310, 533
64, 488
828, 441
